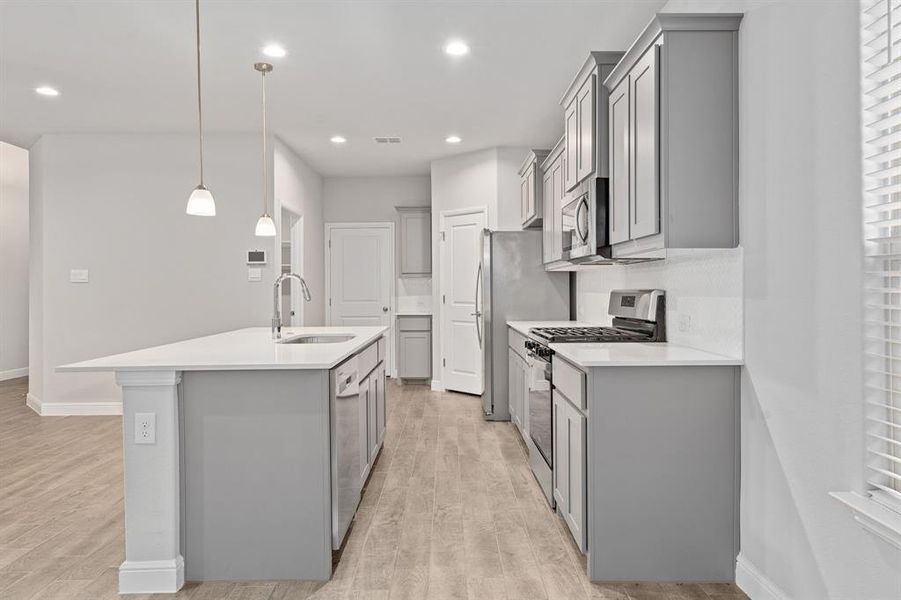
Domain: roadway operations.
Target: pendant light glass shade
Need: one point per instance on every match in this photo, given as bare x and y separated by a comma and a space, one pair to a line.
201, 203
265, 227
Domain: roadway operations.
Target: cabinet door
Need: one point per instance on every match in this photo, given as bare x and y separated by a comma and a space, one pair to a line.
547, 231
415, 242
561, 455
415, 361
534, 206
364, 429
381, 403
559, 184
576, 426
620, 181
524, 197
585, 118
514, 382
525, 372
645, 206
571, 129
373, 420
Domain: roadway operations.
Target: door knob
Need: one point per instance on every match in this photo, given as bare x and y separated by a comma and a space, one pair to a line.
384, 309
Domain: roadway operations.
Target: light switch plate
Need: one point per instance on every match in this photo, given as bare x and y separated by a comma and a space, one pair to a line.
254, 274
145, 428
78, 275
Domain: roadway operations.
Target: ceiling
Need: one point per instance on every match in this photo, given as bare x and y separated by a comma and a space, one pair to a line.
358, 69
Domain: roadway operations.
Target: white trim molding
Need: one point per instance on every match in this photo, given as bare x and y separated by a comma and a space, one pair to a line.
152, 576
754, 583
13, 373
73, 409
879, 520
436, 386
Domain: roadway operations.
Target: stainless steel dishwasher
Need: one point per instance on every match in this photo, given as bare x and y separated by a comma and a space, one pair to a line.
344, 416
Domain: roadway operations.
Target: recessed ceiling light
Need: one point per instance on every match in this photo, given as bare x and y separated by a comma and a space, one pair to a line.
456, 48
453, 139
338, 139
46, 90
275, 51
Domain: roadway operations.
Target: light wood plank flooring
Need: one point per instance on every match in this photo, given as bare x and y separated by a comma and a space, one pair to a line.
451, 511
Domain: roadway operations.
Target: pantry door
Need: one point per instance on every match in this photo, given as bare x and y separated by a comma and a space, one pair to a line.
461, 330
359, 277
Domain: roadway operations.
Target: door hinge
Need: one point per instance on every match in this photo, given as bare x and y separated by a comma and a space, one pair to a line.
330, 243
442, 299
443, 362
442, 236
329, 301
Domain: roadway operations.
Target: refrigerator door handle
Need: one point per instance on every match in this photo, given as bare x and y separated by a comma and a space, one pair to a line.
477, 314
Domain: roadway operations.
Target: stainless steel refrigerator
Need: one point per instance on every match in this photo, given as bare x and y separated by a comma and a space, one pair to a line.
513, 286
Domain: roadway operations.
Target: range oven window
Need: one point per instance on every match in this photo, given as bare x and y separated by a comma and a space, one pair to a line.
540, 406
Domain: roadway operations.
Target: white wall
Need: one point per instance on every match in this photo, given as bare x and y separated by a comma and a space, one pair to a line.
298, 188
483, 178
800, 195
13, 261
367, 199
703, 295
115, 204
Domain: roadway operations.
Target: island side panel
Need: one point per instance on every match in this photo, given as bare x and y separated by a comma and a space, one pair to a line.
256, 459
662, 473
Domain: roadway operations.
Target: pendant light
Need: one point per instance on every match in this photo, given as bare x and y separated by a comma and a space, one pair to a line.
265, 225
201, 202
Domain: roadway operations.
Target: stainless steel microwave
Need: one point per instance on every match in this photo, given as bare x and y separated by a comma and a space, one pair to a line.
584, 222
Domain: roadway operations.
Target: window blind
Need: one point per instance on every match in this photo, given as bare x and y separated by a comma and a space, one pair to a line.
881, 104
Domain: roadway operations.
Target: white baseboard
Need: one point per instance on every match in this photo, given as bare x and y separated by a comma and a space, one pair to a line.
33, 402
66, 409
152, 576
13, 373
754, 583
437, 387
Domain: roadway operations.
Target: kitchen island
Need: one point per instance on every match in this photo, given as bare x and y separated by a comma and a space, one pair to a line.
244, 456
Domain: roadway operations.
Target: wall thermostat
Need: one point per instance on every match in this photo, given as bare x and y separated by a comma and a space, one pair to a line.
256, 257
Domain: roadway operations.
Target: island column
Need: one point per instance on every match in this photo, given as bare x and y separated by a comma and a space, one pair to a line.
153, 560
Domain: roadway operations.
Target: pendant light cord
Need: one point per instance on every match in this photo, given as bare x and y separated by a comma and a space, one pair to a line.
265, 175
199, 104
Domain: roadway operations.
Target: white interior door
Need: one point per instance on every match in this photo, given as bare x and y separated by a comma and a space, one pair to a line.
360, 277
460, 347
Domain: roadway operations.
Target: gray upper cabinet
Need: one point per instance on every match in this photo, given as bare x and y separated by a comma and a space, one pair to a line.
585, 120
673, 144
530, 189
553, 191
620, 184
415, 241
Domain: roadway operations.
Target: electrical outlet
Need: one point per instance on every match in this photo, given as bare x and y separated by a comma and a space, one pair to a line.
684, 323
145, 428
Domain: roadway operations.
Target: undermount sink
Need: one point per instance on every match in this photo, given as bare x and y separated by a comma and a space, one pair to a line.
319, 339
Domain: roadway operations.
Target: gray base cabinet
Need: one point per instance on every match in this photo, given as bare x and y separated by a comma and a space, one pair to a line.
414, 339
663, 473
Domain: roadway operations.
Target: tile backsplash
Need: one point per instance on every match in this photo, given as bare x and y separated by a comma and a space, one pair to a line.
703, 295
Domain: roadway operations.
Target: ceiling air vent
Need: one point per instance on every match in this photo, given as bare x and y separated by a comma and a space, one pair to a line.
387, 140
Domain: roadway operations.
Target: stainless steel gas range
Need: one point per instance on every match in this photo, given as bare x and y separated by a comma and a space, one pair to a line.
639, 316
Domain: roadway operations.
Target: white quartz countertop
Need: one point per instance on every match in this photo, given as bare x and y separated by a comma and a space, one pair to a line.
242, 349
630, 354
627, 354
